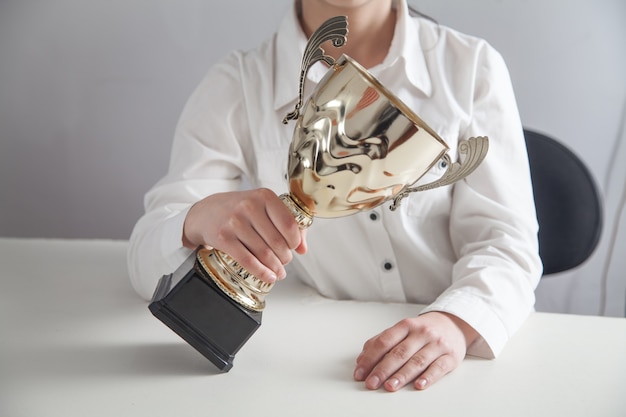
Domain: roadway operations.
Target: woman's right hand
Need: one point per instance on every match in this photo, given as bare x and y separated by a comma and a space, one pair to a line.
254, 227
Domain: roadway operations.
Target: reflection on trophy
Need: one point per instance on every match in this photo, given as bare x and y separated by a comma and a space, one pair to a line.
355, 146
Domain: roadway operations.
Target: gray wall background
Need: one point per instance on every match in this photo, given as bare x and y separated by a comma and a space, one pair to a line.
90, 92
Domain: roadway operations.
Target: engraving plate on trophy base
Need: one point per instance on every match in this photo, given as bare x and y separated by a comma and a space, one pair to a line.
198, 311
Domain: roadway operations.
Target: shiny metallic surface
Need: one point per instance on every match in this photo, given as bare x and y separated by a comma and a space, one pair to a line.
335, 30
475, 149
355, 146
303, 217
233, 279
218, 266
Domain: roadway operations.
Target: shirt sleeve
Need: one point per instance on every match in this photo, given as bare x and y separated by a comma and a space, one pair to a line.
206, 158
493, 224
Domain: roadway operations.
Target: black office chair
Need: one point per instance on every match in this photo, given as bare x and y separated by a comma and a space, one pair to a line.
568, 202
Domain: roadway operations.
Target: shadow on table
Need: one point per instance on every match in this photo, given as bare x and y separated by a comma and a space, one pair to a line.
101, 361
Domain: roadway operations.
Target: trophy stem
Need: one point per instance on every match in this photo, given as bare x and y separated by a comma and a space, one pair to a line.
233, 279
303, 216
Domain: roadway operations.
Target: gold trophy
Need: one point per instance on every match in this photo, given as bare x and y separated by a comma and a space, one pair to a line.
355, 146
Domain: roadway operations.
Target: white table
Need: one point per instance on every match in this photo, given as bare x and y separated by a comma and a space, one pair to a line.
76, 341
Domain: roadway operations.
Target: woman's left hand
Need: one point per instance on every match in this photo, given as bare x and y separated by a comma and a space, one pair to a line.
420, 350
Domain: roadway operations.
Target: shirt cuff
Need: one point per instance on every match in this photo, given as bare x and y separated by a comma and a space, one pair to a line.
493, 335
172, 240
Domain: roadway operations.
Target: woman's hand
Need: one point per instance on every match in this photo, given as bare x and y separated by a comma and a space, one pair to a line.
254, 227
419, 350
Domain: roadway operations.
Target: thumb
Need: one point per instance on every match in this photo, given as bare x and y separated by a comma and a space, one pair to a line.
302, 247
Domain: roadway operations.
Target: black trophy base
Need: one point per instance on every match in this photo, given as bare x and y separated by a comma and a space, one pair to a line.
194, 307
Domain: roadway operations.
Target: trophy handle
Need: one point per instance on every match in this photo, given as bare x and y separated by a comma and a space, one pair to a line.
475, 150
335, 29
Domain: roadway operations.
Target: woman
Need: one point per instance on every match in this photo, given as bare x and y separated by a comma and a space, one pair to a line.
468, 251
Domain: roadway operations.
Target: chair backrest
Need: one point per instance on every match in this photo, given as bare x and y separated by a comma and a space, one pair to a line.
568, 202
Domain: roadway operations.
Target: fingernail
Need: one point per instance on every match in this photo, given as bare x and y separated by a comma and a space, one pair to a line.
393, 383
421, 383
359, 374
272, 277
373, 382
282, 274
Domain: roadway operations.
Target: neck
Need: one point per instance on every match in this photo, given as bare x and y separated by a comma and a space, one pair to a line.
370, 28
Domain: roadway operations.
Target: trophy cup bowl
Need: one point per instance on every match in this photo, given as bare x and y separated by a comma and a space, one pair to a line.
355, 146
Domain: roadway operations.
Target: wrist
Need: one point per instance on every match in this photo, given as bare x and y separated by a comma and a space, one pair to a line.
469, 333
189, 238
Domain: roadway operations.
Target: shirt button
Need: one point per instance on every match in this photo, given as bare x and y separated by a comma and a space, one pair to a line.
387, 266
373, 216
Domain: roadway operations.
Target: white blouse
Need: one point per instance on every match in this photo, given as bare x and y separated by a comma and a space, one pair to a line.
469, 249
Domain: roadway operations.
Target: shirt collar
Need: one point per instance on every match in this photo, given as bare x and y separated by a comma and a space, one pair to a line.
290, 44
405, 50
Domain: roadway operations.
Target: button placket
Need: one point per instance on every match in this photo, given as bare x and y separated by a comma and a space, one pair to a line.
387, 272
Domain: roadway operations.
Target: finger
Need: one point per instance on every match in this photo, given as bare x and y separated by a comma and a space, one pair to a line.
256, 215
243, 243
375, 350
260, 253
406, 352
378, 346
251, 263
440, 367
284, 222
412, 367
302, 248
250, 225
268, 244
